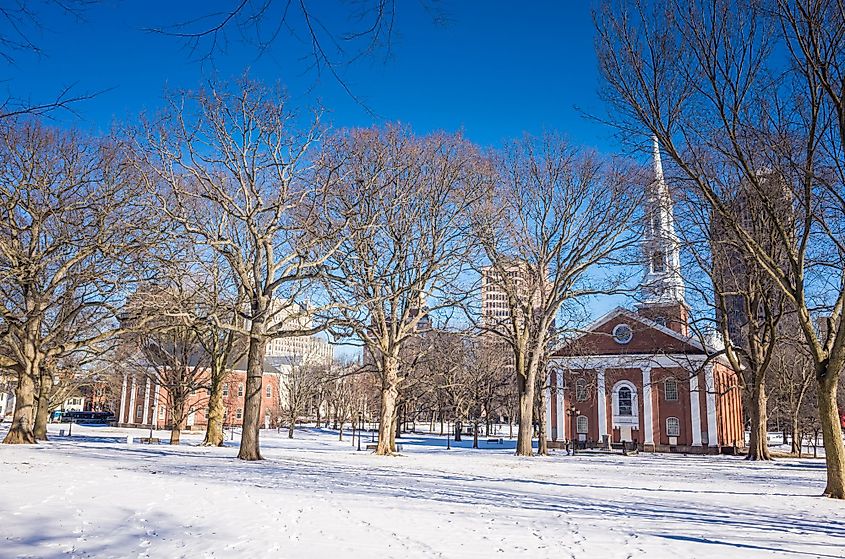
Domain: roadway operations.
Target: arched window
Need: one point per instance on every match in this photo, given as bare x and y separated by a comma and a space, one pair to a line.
581, 424
673, 427
581, 390
657, 262
670, 389
625, 401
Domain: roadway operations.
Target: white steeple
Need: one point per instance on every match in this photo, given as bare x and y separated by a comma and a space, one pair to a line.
662, 284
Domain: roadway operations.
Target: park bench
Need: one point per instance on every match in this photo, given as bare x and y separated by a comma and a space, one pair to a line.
496, 441
149, 440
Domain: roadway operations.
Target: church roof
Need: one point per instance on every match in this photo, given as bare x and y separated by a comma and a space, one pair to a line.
647, 338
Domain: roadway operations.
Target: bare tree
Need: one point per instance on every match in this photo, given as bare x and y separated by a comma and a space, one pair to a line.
231, 167
300, 376
793, 376
739, 299
70, 218
327, 43
216, 303
707, 78
21, 24
555, 216
403, 251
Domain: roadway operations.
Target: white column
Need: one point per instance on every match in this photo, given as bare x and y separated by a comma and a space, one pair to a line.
710, 384
120, 414
131, 418
155, 406
648, 421
559, 406
695, 411
146, 401
549, 414
602, 403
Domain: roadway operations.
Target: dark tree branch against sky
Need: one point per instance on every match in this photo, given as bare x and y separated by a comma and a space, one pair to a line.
488, 69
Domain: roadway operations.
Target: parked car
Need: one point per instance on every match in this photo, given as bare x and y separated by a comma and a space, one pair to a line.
86, 417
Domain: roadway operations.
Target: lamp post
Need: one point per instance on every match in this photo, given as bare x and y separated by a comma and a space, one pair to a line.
573, 412
360, 423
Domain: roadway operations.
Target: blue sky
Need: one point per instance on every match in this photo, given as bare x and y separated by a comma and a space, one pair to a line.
495, 70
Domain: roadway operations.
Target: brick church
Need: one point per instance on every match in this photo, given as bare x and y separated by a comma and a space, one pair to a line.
638, 376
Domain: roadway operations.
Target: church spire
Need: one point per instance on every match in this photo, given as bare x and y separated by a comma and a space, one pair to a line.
662, 285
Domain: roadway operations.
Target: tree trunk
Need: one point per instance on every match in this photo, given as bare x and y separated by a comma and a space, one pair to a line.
525, 389
542, 435
796, 436
389, 394
42, 412
214, 429
394, 430
250, 449
176, 432
21, 431
475, 434
832, 434
397, 433
758, 445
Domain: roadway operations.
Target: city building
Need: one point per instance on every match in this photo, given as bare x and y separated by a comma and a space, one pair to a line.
143, 402
638, 377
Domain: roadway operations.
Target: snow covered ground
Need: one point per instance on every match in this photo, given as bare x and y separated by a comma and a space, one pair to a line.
93, 495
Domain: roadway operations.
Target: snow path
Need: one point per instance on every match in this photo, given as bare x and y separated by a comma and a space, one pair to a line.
93, 495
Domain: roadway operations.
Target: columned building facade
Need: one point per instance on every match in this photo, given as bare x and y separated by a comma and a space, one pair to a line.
638, 377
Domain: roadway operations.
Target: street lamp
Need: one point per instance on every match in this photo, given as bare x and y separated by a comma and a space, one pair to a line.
573, 412
360, 424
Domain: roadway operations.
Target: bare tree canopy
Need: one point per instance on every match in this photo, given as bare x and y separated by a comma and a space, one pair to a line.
737, 92
232, 166
554, 217
72, 237
406, 243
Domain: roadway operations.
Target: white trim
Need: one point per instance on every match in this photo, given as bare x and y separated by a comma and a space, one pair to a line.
615, 333
648, 413
710, 398
602, 403
631, 361
559, 406
131, 415
122, 400
156, 414
695, 411
146, 401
